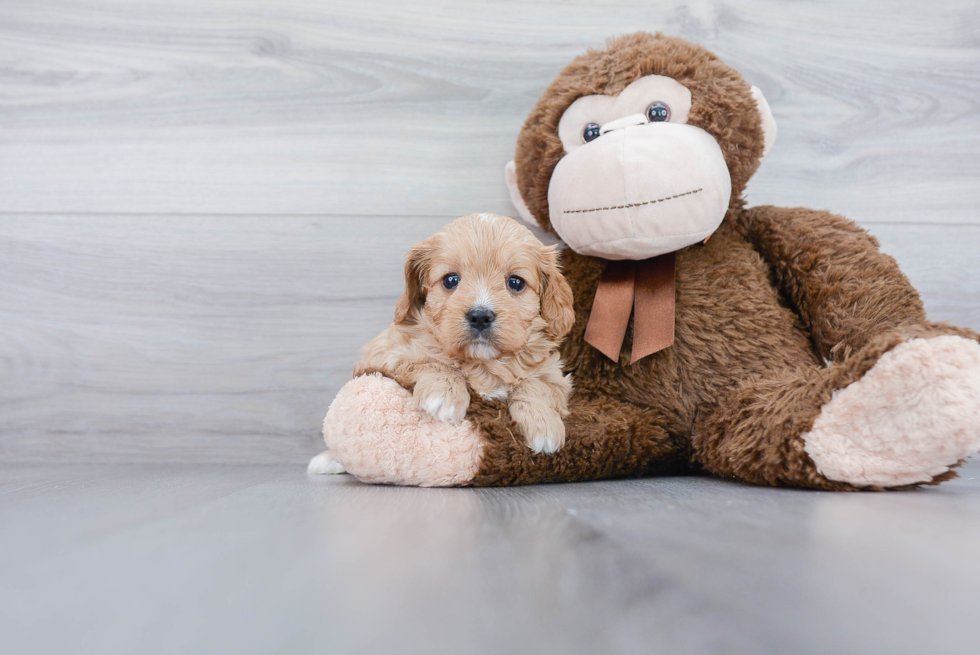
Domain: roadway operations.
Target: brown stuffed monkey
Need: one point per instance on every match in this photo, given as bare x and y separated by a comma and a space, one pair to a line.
783, 350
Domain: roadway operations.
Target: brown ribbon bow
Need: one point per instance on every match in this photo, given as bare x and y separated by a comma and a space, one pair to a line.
645, 288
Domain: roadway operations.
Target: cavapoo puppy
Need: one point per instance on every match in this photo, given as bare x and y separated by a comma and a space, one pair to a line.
485, 308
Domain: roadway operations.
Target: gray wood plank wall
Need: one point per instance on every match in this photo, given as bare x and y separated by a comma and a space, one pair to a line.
204, 204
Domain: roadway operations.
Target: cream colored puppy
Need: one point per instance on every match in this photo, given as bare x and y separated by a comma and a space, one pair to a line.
485, 308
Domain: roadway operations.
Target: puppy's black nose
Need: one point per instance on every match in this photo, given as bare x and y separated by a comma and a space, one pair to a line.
480, 318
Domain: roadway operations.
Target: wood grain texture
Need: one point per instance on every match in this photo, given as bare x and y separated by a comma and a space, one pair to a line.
261, 559
204, 204
209, 338
377, 107
223, 339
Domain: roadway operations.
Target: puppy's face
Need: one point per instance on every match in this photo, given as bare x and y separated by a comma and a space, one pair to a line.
483, 286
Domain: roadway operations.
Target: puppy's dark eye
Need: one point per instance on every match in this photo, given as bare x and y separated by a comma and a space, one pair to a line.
516, 284
591, 132
451, 280
658, 112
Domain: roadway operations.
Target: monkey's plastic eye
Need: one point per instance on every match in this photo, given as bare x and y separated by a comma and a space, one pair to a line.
516, 284
451, 280
591, 132
658, 112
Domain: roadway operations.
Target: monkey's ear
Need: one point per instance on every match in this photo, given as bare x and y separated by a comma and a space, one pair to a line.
768, 122
416, 269
557, 306
510, 176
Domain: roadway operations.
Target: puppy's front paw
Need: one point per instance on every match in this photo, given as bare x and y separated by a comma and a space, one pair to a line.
446, 399
542, 427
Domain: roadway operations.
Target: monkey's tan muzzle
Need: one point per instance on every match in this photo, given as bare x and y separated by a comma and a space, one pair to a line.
639, 191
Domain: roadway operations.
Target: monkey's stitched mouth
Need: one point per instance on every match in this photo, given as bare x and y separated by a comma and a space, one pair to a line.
635, 204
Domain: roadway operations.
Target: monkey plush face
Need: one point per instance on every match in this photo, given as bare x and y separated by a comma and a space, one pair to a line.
640, 149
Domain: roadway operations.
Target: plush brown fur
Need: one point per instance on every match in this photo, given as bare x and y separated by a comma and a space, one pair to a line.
761, 309
773, 294
743, 380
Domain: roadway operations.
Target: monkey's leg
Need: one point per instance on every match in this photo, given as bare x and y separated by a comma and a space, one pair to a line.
377, 432
900, 411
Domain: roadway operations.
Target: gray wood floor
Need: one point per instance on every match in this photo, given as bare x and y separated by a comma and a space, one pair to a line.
204, 205
259, 559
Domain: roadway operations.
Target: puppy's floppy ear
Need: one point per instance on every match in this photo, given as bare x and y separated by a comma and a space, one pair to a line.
557, 307
416, 270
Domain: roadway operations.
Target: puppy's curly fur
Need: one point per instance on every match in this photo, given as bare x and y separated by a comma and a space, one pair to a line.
434, 346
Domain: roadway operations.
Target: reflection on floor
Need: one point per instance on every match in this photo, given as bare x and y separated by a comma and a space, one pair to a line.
258, 559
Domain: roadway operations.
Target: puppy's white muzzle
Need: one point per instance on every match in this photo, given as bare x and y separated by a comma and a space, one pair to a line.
639, 191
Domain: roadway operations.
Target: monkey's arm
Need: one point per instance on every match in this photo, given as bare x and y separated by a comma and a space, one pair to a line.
376, 430
605, 438
845, 289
